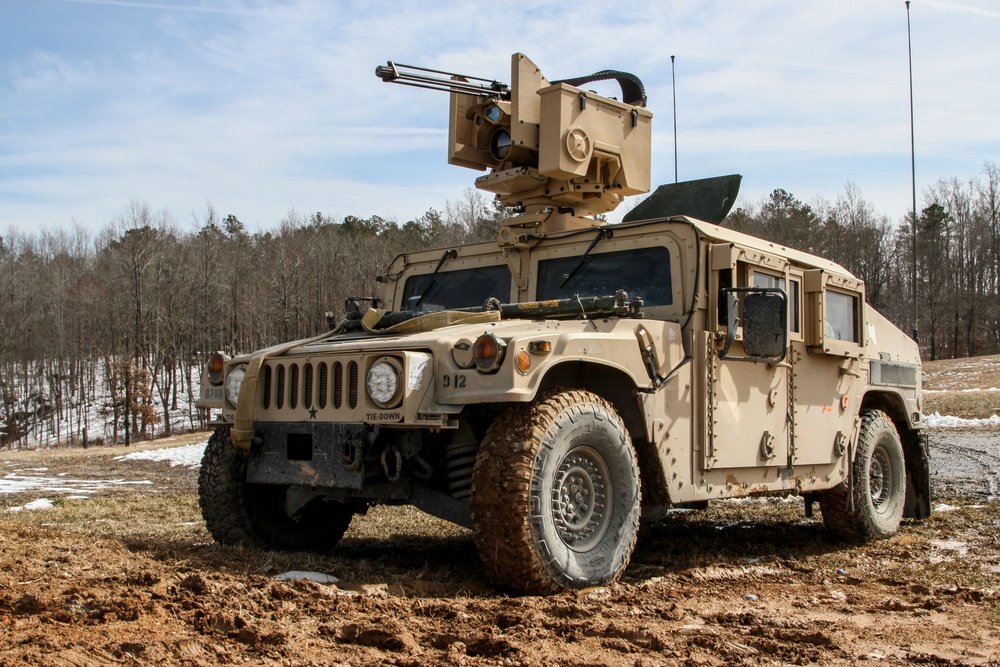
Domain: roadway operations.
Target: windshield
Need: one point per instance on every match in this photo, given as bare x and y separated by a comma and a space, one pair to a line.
464, 288
642, 272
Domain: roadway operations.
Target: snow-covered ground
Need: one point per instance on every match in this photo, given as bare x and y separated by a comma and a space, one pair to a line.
188, 455
939, 421
39, 480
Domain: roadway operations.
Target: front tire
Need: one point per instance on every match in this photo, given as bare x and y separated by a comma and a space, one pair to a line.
237, 512
555, 495
879, 485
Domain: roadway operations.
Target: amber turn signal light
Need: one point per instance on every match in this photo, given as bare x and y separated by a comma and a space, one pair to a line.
216, 364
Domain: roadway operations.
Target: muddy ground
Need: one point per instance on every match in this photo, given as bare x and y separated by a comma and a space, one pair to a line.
129, 576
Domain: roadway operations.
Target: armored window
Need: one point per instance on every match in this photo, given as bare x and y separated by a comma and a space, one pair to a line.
842, 317
464, 288
794, 306
792, 292
642, 272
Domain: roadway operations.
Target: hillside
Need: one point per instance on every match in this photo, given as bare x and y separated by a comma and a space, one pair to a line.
967, 388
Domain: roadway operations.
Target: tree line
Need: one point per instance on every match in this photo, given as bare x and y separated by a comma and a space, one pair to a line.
119, 325
109, 334
957, 256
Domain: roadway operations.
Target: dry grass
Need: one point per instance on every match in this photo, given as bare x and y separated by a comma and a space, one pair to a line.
958, 374
57, 453
960, 387
967, 405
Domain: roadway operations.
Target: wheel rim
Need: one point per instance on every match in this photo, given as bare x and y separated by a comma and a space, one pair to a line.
880, 479
581, 499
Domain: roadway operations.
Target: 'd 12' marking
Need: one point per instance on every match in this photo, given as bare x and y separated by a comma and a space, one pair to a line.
457, 380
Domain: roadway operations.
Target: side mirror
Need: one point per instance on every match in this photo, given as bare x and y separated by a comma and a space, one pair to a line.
765, 324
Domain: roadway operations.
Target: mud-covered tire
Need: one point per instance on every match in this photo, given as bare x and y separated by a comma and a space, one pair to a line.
555, 495
879, 485
236, 512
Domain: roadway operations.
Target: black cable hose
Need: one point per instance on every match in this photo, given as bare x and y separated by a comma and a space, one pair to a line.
633, 92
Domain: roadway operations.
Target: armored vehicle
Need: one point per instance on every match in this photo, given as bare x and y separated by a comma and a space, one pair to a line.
551, 389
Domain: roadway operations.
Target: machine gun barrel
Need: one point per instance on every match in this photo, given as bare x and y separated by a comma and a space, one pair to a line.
449, 82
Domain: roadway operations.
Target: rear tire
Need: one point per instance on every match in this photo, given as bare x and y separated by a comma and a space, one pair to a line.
879, 485
236, 512
555, 495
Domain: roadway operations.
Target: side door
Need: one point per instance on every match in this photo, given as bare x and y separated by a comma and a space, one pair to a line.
828, 369
749, 421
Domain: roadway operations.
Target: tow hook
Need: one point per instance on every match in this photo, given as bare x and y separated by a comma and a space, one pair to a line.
392, 463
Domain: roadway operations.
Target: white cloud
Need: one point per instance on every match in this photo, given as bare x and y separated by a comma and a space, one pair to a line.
261, 107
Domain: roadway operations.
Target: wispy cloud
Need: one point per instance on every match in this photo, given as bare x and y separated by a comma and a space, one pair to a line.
160, 6
260, 107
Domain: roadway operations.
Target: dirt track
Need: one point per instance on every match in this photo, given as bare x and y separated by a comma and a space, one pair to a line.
129, 576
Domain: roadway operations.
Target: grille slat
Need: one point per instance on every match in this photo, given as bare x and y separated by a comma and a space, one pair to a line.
338, 385
293, 389
307, 387
352, 389
267, 387
324, 388
279, 394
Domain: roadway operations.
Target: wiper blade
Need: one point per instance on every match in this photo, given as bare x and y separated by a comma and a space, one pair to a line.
448, 254
602, 233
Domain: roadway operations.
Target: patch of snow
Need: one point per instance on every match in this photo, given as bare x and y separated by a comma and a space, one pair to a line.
958, 391
944, 507
769, 500
40, 504
936, 420
187, 455
17, 483
318, 577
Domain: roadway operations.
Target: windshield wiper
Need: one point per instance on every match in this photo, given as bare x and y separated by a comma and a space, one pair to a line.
602, 233
448, 254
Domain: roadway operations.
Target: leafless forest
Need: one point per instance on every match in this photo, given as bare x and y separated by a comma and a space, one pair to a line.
112, 328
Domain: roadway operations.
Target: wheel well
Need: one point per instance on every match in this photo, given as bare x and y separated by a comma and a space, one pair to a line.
618, 388
915, 452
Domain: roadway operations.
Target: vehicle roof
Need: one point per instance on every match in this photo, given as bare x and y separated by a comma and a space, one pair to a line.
725, 235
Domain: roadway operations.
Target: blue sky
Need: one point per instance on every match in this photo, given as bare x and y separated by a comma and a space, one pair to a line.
261, 107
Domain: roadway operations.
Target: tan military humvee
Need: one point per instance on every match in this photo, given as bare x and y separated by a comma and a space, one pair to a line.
550, 389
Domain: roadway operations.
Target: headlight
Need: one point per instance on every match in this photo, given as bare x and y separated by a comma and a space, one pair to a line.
233, 383
488, 352
384, 382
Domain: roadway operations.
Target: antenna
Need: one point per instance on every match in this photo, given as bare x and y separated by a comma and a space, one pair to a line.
913, 176
673, 85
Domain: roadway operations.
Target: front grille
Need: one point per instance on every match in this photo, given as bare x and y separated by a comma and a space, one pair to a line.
291, 385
